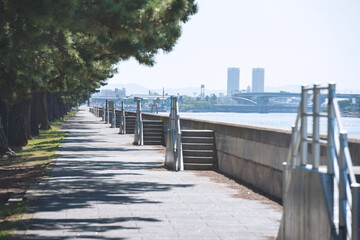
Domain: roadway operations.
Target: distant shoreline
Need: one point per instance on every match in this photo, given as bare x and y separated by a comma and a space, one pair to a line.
350, 115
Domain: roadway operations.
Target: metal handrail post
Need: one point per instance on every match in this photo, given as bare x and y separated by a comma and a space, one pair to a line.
303, 128
331, 128
285, 176
107, 111
138, 136
172, 133
122, 119
169, 158
316, 127
113, 122
355, 211
294, 134
103, 113
342, 187
179, 156
136, 132
179, 149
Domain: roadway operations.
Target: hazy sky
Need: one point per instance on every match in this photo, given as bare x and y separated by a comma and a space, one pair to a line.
297, 42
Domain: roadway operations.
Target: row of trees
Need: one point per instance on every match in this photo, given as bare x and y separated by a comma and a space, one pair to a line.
188, 103
57, 53
346, 106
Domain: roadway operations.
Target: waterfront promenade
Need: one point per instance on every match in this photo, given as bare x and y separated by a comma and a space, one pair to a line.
103, 187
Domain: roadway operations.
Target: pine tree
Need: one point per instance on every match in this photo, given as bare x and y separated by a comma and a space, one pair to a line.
72, 47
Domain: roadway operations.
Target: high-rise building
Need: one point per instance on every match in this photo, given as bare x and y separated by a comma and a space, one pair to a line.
258, 79
233, 80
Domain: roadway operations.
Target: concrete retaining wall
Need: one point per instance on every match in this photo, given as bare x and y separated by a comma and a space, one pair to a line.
253, 155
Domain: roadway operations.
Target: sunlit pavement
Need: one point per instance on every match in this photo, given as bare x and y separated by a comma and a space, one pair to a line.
103, 187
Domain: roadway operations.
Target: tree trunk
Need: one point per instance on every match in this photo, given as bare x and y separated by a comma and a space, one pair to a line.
4, 146
56, 106
28, 122
49, 105
35, 114
18, 119
4, 113
45, 125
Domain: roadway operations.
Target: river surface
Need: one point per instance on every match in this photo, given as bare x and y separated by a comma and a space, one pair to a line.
273, 120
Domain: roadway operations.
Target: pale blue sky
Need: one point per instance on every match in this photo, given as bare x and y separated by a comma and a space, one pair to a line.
297, 42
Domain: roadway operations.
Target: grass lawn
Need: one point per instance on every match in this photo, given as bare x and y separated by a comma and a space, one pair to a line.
27, 168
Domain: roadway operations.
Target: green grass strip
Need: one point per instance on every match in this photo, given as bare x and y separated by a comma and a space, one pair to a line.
40, 150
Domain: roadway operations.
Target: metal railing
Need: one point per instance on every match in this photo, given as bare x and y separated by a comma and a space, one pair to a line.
139, 133
345, 224
122, 129
173, 156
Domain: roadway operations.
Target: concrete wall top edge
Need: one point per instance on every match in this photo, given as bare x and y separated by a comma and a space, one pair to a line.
252, 132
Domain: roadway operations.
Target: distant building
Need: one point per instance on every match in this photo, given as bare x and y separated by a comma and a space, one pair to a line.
107, 93
233, 80
258, 79
202, 93
120, 92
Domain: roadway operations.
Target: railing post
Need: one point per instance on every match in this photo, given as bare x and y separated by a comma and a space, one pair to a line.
285, 176
342, 186
293, 146
122, 119
303, 128
106, 111
113, 122
316, 127
138, 136
103, 113
331, 130
172, 133
169, 158
177, 131
355, 211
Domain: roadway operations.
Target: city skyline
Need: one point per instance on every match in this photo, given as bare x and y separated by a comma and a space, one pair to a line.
322, 47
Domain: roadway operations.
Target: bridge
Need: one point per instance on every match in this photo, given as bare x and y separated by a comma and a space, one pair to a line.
254, 95
256, 98
279, 101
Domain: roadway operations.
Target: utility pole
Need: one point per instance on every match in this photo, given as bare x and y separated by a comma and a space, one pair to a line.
163, 100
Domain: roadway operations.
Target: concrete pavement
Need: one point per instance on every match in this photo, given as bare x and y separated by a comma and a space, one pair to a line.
103, 187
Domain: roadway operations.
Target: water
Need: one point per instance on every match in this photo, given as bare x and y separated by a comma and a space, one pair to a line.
273, 120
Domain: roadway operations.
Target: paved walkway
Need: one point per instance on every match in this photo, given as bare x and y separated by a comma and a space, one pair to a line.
103, 187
